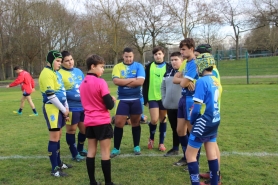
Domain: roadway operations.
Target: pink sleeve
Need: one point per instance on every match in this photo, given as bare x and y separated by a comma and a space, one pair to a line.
104, 88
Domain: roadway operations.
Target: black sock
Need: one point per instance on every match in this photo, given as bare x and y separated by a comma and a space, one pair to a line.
106, 169
20, 110
118, 135
90, 162
136, 133
34, 111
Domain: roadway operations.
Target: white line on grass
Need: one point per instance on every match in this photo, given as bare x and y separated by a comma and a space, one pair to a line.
251, 154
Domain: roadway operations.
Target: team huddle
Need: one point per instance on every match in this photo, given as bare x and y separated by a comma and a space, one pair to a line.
187, 92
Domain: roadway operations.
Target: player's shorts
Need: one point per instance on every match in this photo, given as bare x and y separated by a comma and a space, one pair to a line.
156, 104
184, 107
25, 94
100, 132
53, 116
76, 117
196, 142
129, 107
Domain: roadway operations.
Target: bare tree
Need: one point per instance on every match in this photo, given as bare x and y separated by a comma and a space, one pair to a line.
266, 10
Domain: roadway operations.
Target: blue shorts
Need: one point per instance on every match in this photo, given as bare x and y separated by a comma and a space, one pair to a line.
184, 107
156, 104
196, 142
129, 107
25, 94
53, 116
76, 117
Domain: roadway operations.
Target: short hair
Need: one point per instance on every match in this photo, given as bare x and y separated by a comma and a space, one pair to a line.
17, 67
176, 54
128, 50
94, 60
65, 54
188, 42
157, 49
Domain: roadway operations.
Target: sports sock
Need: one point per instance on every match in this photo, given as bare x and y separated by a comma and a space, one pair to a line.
213, 168
193, 170
152, 130
70, 138
34, 111
175, 148
184, 142
90, 162
58, 153
136, 133
20, 110
106, 169
81, 140
162, 132
118, 135
198, 154
52, 152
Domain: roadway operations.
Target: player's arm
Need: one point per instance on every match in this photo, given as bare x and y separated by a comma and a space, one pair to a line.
189, 76
18, 80
195, 112
137, 82
55, 101
163, 90
108, 101
198, 100
185, 82
177, 78
123, 82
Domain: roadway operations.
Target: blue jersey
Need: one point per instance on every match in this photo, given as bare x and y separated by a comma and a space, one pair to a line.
123, 71
72, 79
189, 72
207, 93
51, 82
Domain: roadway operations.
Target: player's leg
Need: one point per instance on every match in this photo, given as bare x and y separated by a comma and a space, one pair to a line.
81, 135
172, 117
154, 114
162, 126
143, 117
30, 101
212, 161
193, 167
135, 116
19, 111
105, 142
92, 149
120, 119
71, 127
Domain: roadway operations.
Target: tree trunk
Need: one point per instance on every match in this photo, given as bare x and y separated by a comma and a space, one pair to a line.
237, 48
3, 71
116, 58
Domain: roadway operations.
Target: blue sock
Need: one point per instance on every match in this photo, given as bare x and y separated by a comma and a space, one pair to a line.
81, 140
34, 111
58, 153
198, 154
52, 152
136, 133
193, 169
213, 168
162, 132
118, 135
175, 148
20, 110
152, 130
184, 142
70, 138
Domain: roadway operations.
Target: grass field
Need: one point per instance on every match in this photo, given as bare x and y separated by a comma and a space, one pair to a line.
247, 138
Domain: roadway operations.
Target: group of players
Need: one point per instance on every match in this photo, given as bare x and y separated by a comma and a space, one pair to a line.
187, 91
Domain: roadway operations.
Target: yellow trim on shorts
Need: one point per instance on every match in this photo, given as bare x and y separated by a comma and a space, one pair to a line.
70, 118
52, 112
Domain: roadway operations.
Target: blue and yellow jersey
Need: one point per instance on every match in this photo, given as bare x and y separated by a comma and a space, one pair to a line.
190, 72
215, 73
72, 79
157, 71
182, 67
207, 92
123, 71
51, 82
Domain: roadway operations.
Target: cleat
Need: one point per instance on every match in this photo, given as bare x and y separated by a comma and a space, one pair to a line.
150, 144
115, 153
137, 150
65, 166
34, 114
96, 183
171, 153
83, 152
181, 162
161, 147
58, 172
207, 182
16, 112
206, 175
78, 158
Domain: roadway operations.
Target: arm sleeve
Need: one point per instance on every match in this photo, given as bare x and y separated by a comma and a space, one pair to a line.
32, 82
200, 91
195, 112
116, 72
18, 80
141, 71
55, 101
109, 103
191, 71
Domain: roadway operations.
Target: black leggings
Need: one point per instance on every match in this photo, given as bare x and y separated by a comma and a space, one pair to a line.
173, 119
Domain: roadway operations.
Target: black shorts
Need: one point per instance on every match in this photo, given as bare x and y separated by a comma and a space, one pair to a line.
100, 132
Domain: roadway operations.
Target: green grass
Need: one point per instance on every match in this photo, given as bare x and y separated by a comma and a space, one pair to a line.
248, 125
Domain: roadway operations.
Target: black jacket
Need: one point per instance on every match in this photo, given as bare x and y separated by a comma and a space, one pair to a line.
147, 81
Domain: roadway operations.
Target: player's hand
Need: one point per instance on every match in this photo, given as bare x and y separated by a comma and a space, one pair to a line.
113, 98
191, 86
66, 114
147, 105
8, 86
178, 75
33, 90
